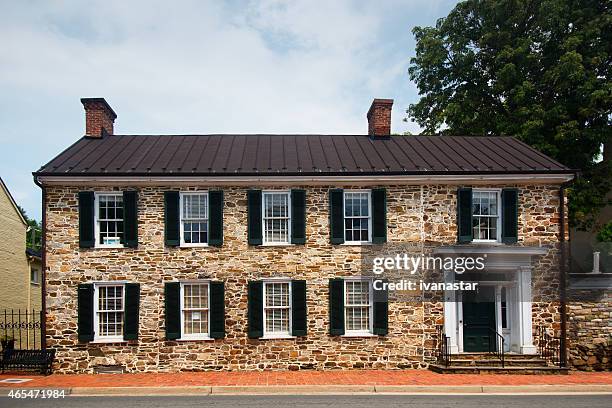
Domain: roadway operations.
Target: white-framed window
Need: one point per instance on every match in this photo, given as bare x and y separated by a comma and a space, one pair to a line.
357, 216
194, 218
277, 308
358, 306
34, 276
109, 309
195, 304
109, 219
276, 217
486, 226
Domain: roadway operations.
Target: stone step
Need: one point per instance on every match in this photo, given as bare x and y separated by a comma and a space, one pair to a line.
487, 356
494, 362
497, 370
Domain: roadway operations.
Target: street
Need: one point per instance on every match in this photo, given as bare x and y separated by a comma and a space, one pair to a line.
313, 401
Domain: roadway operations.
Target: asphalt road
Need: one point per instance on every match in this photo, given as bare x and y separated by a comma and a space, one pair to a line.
315, 401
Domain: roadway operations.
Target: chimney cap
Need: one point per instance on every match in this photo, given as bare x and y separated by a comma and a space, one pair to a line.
90, 101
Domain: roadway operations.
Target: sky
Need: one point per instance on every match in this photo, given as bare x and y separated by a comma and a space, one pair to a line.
197, 67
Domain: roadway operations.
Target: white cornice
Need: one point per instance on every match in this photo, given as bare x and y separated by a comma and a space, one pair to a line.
488, 179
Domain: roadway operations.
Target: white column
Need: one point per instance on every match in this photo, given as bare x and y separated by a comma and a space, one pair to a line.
450, 313
525, 318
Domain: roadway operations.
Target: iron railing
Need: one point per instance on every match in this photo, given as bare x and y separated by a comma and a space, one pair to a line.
496, 345
443, 347
21, 329
549, 347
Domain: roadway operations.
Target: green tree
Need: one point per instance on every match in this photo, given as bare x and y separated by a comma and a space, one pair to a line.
35, 230
537, 70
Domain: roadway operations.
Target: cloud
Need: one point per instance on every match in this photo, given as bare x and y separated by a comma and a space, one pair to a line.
196, 67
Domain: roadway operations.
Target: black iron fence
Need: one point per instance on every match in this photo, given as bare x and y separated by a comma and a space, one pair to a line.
549, 347
443, 340
21, 329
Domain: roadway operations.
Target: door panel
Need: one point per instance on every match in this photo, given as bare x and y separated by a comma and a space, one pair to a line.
479, 320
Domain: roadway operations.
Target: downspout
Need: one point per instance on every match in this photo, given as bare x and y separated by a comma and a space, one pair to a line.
43, 262
563, 277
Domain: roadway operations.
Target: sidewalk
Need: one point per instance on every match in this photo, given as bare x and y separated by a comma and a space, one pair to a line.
300, 382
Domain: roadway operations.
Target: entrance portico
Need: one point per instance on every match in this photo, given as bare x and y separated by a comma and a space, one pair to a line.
505, 299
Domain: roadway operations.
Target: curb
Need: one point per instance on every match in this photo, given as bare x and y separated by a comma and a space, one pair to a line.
326, 390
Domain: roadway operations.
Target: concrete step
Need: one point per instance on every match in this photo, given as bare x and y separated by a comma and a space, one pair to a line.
494, 362
497, 370
487, 356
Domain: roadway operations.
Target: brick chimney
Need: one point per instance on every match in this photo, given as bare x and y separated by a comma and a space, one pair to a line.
99, 117
379, 117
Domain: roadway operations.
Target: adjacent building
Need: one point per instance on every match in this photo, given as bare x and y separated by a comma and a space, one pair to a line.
20, 268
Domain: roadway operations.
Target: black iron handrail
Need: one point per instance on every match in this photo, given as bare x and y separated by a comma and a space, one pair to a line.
496, 345
443, 347
549, 347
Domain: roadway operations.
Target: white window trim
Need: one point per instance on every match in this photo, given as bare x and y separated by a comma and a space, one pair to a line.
369, 241
263, 221
199, 336
287, 335
497, 191
96, 319
97, 195
360, 333
183, 244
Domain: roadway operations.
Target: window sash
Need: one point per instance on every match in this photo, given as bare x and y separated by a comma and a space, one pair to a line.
277, 317
188, 220
108, 313
276, 226
109, 227
485, 224
187, 312
352, 219
356, 313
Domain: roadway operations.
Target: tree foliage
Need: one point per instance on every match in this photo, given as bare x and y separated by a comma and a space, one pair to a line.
537, 70
35, 229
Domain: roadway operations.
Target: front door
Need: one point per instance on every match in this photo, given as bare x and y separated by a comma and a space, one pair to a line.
479, 320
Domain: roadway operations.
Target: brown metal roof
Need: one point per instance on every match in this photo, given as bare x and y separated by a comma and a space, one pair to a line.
297, 154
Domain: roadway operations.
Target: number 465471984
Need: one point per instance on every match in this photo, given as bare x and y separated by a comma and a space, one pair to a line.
32, 393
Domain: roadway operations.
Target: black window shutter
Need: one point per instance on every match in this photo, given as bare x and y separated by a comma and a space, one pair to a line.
132, 312
215, 218
298, 216
255, 309
130, 219
85, 300
86, 219
509, 220
379, 215
254, 217
336, 216
336, 307
172, 303
217, 310
381, 310
299, 314
464, 215
172, 218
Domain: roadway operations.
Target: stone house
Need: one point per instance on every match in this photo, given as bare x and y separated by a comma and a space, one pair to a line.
20, 268
251, 252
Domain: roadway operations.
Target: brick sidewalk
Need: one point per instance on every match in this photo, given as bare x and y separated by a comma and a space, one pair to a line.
280, 378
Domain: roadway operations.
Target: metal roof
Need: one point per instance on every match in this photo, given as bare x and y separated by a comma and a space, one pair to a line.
209, 155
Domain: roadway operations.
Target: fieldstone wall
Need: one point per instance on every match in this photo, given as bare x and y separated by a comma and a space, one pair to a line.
422, 216
590, 329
